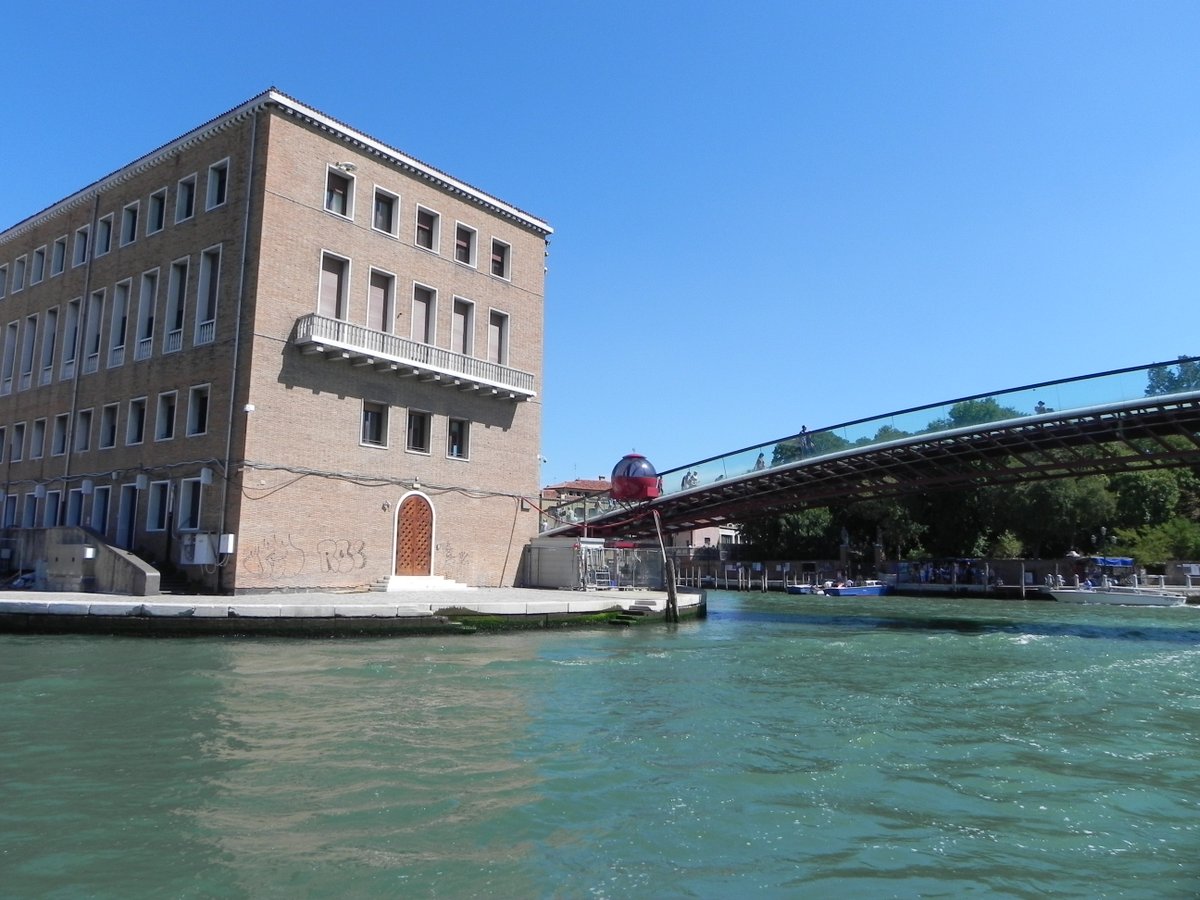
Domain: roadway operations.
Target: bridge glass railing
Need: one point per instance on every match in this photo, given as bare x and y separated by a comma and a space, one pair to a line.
1028, 401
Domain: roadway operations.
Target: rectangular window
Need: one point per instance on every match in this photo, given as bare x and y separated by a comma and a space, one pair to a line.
29, 511
100, 501
74, 515
418, 431
190, 492
28, 349
108, 426
104, 231
10, 357
58, 256
218, 184
424, 310
129, 223
3, 280
385, 218
206, 296
185, 198
498, 337
18, 281
197, 422
37, 439
118, 329
18, 442
37, 270
49, 343
71, 338
91, 334
462, 325
379, 301
427, 229
135, 422
339, 191
500, 255
335, 272
10, 511
147, 299
176, 302
51, 509
156, 515
458, 437
58, 438
156, 215
164, 421
83, 431
464, 244
81, 246
374, 424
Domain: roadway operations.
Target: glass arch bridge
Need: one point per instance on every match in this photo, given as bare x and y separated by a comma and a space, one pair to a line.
1133, 419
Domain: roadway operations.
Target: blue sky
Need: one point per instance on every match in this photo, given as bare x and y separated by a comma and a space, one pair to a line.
766, 215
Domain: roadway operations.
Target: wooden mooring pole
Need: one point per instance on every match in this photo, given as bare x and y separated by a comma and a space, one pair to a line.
672, 612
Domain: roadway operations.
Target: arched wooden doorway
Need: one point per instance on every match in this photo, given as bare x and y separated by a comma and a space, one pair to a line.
414, 537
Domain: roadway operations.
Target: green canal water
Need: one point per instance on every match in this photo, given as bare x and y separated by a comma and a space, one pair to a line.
785, 747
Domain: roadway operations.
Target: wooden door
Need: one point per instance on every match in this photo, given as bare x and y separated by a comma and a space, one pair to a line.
414, 537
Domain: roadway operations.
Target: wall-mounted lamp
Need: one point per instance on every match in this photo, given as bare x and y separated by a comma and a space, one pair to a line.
39, 491
347, 167
206, 475
87, 487
416, 484
142, 482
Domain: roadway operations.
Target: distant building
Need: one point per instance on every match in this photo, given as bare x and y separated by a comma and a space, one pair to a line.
571, 502
278, 354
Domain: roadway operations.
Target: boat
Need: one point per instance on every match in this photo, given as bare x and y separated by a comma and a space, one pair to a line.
803, 589
870, 588
1117, 596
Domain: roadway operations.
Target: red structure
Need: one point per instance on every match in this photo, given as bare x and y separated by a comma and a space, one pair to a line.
634, 479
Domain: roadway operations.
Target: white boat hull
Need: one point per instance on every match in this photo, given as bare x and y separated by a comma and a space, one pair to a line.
1118, 596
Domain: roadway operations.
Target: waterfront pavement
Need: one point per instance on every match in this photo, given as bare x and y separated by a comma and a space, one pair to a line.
315, 612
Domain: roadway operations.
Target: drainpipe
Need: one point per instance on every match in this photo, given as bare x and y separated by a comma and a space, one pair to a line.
237, 339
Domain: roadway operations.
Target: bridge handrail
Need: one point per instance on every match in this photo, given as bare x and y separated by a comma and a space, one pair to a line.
851, 434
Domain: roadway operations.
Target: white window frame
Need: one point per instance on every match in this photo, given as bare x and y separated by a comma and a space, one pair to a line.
58, 256
194, 393
3, 281
461, 230
156, 212
466, 346
430, 336
104, 233
500, 355
110, 420
18, 276
435, 231
164, 426
37, 266
79, 253
158, 505
341, 310
333, 173
118, 323
419, 414
389, 311
465, 453
130, 213
81, 438
98, 517
182, 214
208, 292
176, 312
37, 439
17, 448
216, 190
136, 403
189, 488
384, 412
394, 231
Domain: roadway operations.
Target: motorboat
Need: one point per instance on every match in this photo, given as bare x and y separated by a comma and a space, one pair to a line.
806, 589
1117, 596
869, 588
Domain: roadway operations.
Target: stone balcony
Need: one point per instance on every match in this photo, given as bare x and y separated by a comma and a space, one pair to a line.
337, 340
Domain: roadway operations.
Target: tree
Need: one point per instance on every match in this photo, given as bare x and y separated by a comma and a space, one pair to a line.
1183, 376
973, 412
1145, 498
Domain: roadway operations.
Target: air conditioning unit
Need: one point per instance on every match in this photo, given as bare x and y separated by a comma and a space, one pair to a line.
196, 549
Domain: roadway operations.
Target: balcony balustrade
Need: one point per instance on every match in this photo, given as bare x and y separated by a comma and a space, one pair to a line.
360, 346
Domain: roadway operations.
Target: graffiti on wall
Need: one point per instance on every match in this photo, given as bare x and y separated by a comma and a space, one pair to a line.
278, 557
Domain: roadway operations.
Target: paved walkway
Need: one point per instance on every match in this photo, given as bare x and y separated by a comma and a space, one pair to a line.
310, 612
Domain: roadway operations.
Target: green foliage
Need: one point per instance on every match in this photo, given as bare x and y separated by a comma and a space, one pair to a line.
1145, 498
1178, 538
1007, 546
1183, 376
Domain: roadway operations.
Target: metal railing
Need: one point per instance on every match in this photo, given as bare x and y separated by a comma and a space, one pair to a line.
1048, 398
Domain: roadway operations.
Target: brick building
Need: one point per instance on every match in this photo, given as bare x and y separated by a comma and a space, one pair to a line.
278, 354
